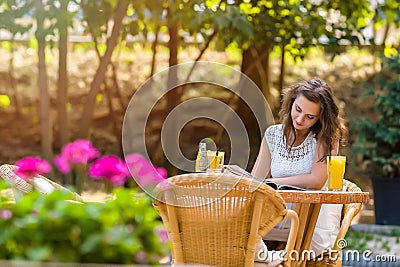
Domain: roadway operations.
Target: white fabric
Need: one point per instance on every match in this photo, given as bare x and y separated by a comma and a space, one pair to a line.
42, 185
299, 161
284, 163
327, 228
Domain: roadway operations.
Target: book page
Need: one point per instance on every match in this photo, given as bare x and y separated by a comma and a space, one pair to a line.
237, 170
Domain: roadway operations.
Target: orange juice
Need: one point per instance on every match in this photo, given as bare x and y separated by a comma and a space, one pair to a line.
197, 168
215, 160
212, 159
336, 168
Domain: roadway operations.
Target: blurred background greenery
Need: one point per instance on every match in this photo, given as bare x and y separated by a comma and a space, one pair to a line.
71, 66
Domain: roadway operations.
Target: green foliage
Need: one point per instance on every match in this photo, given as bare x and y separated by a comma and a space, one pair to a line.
378, 140
121, 230
357, 240
387, 13
297, 25
97, 14
13, 10
362, 241
227, 21
386, 246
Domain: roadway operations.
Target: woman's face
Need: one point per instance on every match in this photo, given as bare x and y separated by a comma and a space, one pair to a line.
305, 113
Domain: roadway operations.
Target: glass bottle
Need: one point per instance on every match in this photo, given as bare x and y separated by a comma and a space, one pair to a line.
202, 158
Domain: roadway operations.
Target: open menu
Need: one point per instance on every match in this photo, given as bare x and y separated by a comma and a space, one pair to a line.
236, 170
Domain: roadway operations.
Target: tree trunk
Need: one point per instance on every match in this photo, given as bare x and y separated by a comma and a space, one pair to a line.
255, 64
173, 96
98, 79
123, 102
282, 74
63, 124
154, 50
112, 114
385, 34
107, 90
62, 84
44, 117
173, 44
14, 94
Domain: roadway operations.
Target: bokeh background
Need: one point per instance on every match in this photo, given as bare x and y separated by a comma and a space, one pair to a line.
69, 68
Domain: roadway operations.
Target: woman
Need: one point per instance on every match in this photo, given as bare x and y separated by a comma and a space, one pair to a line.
295, 151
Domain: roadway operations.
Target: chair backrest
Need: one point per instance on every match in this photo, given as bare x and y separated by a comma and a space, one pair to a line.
351, 187
349, 211
217, 219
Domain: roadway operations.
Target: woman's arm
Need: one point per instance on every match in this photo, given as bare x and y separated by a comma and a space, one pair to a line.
262, 166
314, 180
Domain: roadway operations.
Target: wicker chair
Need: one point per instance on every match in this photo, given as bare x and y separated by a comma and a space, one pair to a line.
217, 219
20, 187
349, 211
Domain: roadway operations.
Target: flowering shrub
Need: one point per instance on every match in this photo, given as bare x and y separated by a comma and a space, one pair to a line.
146, 174
31, 166
75, 156
125, 230
111, 168
77, 152
78, 155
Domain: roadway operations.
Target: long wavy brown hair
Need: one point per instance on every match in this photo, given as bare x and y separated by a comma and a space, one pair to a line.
330, 127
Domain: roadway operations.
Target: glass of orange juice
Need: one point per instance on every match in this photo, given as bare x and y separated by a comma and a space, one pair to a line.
212, 159
336, 167
216, 161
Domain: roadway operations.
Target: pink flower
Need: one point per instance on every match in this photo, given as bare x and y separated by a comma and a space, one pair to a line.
77, 152
145, 173
29, 167
140, 256
62, 163
162, 234
111, 168
162, 172
5, 214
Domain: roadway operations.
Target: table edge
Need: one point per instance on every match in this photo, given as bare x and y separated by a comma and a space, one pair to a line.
324, 197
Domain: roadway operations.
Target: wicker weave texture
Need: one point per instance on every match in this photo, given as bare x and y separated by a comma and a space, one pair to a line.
216, 219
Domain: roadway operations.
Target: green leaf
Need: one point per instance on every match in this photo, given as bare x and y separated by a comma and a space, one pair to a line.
40, 253
222, 22
91, 243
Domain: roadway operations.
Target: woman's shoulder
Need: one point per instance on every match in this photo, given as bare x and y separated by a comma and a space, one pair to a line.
274, 129
273, 134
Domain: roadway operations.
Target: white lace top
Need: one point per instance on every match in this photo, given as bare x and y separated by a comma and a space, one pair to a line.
285, 163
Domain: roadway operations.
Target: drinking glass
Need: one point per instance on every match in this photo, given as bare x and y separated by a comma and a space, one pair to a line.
216, 161
220, 161
336, 167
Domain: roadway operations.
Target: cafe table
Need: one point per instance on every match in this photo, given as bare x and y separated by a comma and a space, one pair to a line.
308, 205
